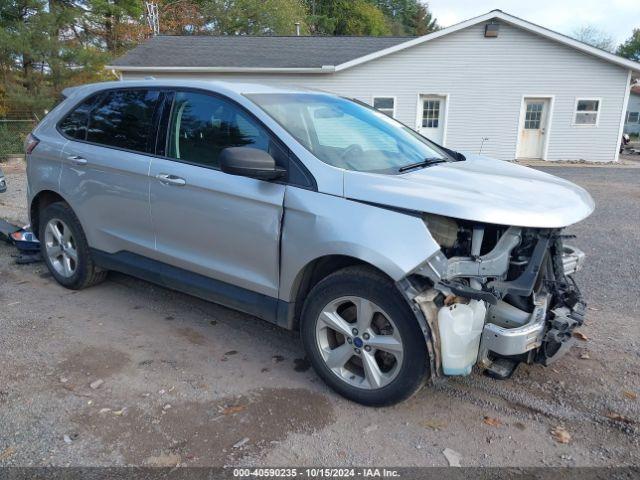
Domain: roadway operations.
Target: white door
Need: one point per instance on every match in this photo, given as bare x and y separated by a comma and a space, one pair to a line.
533, 126
431, 117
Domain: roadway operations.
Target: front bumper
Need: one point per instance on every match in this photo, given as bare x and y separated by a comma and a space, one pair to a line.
496, 340
541, 328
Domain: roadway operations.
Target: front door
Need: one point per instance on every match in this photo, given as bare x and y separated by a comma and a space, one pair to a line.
533, 126
221, 226
431, 118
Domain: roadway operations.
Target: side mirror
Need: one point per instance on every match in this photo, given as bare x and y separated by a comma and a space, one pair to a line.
250, 162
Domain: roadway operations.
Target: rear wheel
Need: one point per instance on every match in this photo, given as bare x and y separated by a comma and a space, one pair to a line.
64, 248
363, 339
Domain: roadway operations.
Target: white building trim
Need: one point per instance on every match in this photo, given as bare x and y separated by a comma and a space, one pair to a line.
124, 68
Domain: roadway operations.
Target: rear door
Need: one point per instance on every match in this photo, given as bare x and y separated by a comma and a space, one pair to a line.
106, 167
222, 226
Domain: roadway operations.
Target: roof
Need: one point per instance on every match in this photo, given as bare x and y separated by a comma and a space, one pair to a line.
308, 54
240, 88
242, 51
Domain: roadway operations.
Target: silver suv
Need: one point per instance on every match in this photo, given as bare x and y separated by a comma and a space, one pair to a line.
397, 259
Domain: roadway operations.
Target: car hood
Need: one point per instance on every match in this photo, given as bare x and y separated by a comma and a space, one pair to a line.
478, 189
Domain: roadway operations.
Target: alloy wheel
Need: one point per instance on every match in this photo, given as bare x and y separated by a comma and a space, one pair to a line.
60, 247
359, 342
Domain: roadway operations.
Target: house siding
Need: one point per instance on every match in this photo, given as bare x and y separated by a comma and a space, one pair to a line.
634, 106
485, 80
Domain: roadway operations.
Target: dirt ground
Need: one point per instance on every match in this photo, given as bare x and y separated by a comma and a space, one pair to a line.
192, 383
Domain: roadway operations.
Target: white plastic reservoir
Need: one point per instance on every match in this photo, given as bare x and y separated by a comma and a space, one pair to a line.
460, 328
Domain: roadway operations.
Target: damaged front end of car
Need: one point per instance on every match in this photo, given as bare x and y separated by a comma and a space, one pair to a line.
495, 296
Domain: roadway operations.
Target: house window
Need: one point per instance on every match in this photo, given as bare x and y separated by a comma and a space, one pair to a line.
633, 117
386, 105
587, 111
533, 116
430, 113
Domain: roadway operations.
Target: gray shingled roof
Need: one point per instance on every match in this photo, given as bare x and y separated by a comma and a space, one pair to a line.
246, 51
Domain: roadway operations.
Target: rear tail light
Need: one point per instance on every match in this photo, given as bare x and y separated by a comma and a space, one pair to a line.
30, 143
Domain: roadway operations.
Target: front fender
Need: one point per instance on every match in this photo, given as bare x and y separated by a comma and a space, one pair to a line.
318, 225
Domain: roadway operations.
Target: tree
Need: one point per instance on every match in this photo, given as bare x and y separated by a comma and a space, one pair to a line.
108, 21
254, 17
424, 22
595, 37
346, 17
631, 47
182, 17
41, 53
362, 18
407, 17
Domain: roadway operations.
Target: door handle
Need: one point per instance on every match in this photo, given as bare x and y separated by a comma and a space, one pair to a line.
167, 179
77, 159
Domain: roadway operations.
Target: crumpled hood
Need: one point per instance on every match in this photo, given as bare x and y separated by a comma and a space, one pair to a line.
479, 189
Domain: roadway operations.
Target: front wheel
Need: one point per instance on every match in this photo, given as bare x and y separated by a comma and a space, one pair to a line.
363, 339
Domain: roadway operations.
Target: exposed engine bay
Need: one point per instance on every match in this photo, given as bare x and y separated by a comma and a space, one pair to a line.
516, 280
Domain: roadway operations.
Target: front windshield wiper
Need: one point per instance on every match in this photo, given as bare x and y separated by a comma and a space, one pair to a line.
423, 163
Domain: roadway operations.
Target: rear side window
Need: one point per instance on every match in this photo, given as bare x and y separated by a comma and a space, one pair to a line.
74, 125
123, 119
201, 126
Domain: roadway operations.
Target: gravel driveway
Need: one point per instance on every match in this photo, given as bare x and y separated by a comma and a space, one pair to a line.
188, 382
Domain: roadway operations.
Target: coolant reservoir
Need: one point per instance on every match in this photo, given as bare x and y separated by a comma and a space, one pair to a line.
460, 328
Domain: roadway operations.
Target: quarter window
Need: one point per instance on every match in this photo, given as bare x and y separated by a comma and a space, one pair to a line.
74, 125
123, 119
587, 111
201, 126
633, 117
385, 105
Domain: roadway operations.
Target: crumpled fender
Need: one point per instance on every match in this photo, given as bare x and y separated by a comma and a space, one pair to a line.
317, 225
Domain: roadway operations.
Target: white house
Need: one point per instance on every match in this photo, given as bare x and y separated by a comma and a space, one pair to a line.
494, 82
632, 125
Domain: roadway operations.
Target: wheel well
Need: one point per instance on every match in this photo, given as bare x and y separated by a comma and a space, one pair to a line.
314, 272
41, 201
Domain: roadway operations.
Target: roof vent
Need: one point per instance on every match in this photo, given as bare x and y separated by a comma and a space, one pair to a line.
491, 30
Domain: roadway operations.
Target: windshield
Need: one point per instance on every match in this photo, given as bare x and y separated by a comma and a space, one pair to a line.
347, 134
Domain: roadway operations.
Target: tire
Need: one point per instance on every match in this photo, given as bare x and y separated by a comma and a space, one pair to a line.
400, 374
73, 274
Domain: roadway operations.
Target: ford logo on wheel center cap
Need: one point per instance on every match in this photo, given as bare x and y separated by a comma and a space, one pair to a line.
358, 342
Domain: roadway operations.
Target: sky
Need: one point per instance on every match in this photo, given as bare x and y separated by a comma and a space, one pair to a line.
616, 17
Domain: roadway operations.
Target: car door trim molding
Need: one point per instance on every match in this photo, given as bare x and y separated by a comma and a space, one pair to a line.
232, 296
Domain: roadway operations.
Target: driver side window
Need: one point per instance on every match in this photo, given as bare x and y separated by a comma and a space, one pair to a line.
201, 126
